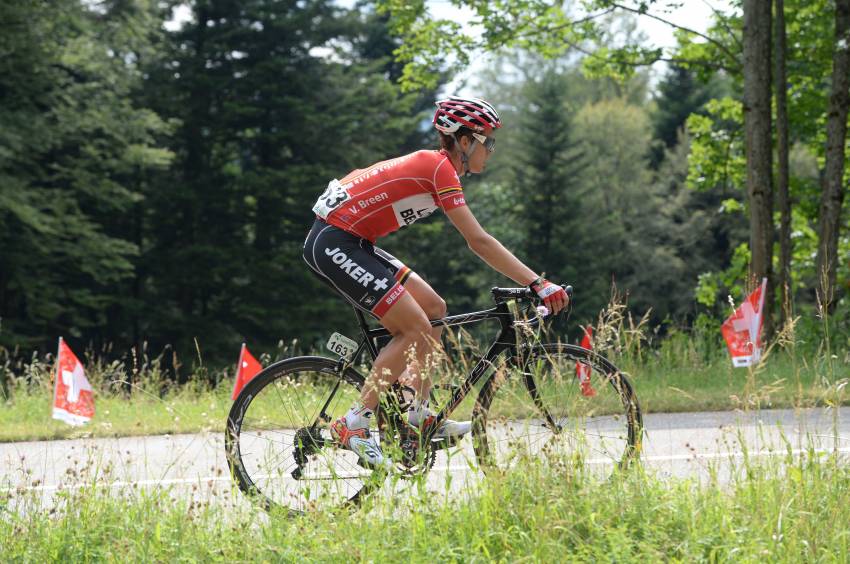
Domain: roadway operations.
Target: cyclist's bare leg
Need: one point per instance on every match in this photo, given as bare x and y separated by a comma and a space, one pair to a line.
420, 371
407, 322
435, 308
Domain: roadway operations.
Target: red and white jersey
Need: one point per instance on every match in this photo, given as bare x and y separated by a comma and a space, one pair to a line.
388, 195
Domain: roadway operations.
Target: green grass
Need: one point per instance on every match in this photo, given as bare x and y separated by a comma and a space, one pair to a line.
785, 510
662, 384
28, 416
780, 383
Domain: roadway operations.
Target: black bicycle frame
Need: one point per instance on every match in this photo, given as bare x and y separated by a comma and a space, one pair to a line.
505, 340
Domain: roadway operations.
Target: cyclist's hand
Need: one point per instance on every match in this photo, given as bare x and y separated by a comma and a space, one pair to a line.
553, 296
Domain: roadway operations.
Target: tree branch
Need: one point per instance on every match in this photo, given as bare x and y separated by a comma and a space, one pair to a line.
536, 31
591, 17
674, 60
677, 26
722, 20
76, 75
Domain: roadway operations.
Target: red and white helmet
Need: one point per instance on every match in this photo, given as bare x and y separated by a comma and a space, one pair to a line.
455, 112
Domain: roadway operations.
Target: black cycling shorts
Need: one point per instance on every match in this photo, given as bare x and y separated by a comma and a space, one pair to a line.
367, 276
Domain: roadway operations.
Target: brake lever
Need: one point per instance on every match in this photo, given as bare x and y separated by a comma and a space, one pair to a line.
543, 311
569, 290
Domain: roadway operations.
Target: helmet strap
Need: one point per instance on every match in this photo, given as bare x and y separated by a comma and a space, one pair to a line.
464, 156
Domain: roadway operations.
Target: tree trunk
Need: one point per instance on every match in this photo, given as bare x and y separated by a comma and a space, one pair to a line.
783, 281
195, 164
759, 146
832, 195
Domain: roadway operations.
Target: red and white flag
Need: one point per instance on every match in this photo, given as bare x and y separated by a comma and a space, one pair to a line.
742, 329
73, 401
583, 370
247, 368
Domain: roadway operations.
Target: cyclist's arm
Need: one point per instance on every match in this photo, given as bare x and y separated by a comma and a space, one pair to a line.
488, 248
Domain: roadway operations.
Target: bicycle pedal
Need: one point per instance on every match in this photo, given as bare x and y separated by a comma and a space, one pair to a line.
445, 442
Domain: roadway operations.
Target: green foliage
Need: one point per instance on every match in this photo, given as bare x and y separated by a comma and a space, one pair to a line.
702, 239
546, 181
707, 288
643, 229
811, 37
720, 48
717, 159
72, 145
428, 42
253, 154
679, 95
550, 30
714, 286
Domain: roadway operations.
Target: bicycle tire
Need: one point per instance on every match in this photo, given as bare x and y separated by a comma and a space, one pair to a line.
265, 431
612, 433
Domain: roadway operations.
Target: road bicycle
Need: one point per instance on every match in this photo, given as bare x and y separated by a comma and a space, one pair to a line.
534, 399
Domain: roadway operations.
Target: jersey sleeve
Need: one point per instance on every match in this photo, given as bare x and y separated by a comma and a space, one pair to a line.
447, 186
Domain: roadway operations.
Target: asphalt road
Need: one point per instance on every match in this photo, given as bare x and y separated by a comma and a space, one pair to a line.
676, 445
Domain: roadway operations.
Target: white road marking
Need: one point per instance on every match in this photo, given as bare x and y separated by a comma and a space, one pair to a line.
675, 443
594, 461
166, 482
726, 455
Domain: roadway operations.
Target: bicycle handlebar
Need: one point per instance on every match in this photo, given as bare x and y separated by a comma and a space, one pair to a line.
528, 293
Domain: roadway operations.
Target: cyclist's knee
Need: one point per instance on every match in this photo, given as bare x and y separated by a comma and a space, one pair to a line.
431, 303
435, 308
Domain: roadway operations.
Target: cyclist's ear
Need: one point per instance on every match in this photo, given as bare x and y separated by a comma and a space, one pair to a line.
464, 138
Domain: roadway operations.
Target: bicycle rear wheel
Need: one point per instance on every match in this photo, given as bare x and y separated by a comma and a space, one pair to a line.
559, 400
278, 440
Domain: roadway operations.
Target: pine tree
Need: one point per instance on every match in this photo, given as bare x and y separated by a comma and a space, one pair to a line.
680, 94
547, 172
267, 121
71, 142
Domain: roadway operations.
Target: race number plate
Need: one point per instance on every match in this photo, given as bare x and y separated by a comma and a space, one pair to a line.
342, 345
333, 197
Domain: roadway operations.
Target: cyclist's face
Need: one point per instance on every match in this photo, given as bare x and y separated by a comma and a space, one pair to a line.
478, 158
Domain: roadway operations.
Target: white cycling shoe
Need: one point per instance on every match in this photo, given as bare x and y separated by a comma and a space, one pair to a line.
362, 443
448, 429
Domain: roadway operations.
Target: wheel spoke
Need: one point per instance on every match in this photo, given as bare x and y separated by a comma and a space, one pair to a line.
275, 430
256, 435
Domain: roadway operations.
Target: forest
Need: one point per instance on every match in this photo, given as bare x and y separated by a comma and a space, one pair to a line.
156, 180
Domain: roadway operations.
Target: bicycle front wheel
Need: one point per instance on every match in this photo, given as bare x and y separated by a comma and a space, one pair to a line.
278, 440
557, 399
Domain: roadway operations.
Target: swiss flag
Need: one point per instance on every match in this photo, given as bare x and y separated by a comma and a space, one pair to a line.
247, 368
742, 329
583, 370
73, 401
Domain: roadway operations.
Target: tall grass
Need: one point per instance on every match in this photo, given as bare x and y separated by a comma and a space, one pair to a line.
789, 509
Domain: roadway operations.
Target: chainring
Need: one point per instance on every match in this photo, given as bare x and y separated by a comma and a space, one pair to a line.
411, 458
414, 461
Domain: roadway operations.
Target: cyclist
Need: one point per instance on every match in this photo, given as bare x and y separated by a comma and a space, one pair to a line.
368, 204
